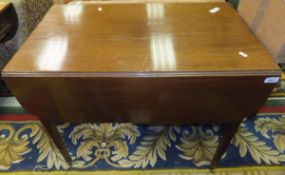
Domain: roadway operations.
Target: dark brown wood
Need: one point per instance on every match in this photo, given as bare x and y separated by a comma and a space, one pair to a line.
138, 38
141, 99
228, 131
57, 140
157, 63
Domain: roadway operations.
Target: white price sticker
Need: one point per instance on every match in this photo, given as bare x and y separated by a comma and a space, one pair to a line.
214, 10
271, 80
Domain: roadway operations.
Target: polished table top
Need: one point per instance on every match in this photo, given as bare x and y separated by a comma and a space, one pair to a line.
140, 39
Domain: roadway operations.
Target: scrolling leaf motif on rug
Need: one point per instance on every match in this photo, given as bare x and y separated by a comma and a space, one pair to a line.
152, 147
265, 125
108, 141
259, 151
199, 146
14, 145
123, 146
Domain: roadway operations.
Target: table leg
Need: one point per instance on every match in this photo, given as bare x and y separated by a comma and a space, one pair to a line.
228, 132
56, 138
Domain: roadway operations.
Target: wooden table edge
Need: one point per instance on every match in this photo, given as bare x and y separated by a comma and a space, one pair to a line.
144, 74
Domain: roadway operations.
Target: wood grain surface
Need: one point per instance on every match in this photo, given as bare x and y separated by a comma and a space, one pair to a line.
143, 63
155, 100
141, 38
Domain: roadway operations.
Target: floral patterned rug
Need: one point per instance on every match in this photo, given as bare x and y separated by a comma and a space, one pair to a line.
24, 146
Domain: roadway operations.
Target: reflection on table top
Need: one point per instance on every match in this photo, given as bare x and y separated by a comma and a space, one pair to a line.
151, 37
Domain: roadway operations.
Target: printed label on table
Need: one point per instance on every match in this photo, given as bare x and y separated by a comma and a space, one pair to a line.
271, 80
214, 10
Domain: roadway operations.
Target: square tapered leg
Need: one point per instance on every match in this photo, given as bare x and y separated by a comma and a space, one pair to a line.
56, 138
228, 132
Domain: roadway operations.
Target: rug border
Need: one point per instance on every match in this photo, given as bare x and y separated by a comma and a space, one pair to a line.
242, 169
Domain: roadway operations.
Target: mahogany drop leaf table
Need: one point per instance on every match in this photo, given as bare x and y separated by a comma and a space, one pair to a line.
155, 63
